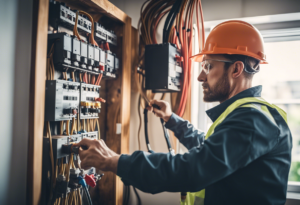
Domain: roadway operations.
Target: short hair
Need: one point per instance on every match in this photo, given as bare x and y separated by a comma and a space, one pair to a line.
248, 61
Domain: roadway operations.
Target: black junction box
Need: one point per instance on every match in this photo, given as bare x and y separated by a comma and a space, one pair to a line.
162, 71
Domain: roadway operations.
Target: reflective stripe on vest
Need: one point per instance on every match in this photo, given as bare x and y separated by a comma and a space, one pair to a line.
197, 198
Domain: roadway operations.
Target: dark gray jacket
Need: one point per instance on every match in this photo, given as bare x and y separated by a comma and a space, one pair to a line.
245, 161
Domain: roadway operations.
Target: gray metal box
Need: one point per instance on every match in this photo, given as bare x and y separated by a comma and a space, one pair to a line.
88, 93
61, 97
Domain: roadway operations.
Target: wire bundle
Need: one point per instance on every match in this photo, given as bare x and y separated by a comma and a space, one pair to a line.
178, 29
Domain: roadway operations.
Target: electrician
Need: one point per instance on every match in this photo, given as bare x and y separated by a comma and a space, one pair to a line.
245, 156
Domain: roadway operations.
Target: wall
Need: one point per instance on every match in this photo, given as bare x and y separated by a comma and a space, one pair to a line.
15, 51
213, 10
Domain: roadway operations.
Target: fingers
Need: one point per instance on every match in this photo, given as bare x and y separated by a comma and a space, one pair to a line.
160, 103
85, 142
149, 108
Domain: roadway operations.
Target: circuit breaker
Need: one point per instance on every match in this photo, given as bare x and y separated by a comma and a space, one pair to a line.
163, 68
90, 57
89, 106
62, 100
62, 43
75, 54
110, 62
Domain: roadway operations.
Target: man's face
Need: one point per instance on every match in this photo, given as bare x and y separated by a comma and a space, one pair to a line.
215, 84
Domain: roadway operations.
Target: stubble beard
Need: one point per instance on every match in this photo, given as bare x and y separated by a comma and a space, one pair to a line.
220, 92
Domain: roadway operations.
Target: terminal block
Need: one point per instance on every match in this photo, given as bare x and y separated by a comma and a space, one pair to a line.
100, 32
89, 107
62, 100
163, 68
62, 43
84, 25
111, 37
60, 15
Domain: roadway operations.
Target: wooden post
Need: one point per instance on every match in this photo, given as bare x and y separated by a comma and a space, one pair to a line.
37, 100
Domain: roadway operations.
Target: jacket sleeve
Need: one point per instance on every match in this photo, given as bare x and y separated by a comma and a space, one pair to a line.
185, 132
244, 135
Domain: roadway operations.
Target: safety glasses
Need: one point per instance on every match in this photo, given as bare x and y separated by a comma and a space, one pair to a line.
205, 65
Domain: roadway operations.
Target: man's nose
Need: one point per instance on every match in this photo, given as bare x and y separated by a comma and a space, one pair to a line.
202, 76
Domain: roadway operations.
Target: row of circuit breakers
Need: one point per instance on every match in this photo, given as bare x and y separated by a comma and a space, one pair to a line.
71, 53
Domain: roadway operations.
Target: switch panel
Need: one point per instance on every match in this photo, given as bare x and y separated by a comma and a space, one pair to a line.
89, 108
62, 43
62, 100
163, 70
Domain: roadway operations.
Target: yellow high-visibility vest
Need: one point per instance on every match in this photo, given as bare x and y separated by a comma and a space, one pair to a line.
197, 198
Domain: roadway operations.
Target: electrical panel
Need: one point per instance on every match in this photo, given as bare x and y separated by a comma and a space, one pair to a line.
76, 64
62, 100
162, 68
89, 107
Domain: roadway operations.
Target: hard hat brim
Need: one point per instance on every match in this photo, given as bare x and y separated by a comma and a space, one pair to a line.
199, 57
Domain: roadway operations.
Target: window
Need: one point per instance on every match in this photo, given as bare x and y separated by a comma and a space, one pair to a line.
281, 86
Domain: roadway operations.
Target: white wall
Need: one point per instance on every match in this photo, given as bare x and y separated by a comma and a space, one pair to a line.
213, 10
15, 58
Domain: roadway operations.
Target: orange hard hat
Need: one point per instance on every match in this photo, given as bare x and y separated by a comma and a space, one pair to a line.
234, 37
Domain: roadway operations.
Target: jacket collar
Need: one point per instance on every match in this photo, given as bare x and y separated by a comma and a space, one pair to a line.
215, 112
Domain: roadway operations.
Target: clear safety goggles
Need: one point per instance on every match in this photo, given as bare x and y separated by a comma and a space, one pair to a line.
205, 65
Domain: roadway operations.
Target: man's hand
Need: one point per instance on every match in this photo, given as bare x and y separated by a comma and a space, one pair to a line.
95, 153
165, 111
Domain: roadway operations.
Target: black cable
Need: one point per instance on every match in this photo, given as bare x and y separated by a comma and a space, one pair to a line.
146, 130
166, 134
137, 196
170, 20
170, 14
127, 195
88, 196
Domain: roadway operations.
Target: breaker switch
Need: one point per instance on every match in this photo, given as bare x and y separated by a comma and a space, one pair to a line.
85, 110
68, 111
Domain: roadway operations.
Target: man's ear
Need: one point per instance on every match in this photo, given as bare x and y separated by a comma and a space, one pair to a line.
238, 69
